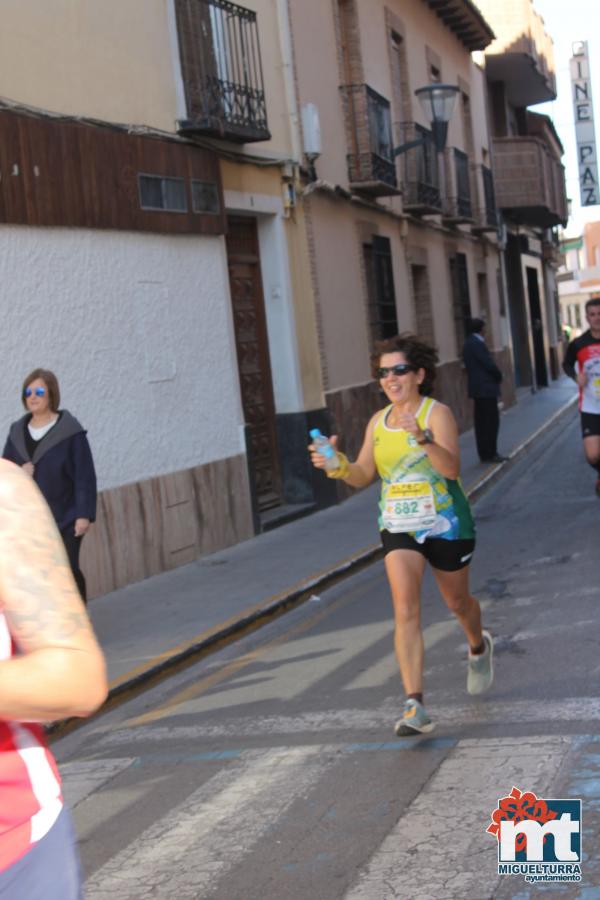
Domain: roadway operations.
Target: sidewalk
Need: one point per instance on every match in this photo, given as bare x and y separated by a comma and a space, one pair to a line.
146, 626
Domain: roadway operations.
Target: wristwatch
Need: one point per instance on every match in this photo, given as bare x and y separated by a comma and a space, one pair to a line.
427, 437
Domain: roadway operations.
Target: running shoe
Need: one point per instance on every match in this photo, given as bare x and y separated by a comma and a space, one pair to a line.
481, 667
414, 720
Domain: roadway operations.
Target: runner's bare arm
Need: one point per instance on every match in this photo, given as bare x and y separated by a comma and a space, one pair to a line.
360, 473
60, 668
444, 453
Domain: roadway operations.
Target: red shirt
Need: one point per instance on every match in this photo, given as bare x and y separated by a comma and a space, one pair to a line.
30, 791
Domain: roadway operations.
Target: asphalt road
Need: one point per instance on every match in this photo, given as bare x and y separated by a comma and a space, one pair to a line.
270, 771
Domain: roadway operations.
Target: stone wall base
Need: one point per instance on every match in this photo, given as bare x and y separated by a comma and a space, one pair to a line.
151, 526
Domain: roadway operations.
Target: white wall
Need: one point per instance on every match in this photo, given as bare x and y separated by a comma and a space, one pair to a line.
138, 330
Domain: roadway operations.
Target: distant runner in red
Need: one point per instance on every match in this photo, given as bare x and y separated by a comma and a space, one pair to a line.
582, 364
51, 667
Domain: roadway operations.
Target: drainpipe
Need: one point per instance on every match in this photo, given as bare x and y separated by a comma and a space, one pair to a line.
287, 58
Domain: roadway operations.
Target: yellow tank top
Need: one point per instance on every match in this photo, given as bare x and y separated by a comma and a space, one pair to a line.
415, 498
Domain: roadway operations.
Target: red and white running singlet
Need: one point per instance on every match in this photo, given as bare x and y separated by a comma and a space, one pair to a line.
585, 351
30, 792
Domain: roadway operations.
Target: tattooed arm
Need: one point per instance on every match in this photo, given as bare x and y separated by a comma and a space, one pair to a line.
59, 670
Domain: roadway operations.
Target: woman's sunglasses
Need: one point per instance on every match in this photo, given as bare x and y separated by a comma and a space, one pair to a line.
38, 391
400, 369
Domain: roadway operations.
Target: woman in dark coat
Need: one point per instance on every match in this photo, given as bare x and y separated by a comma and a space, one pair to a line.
50, 444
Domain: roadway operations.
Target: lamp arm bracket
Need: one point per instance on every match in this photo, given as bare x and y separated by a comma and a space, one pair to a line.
419, 142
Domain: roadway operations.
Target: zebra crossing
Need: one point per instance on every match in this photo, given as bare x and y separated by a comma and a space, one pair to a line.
439, 841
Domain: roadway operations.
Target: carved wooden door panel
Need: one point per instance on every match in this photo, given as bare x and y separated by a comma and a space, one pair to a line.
253, 357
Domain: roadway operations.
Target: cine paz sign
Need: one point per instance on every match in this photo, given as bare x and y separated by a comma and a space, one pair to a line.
585, 136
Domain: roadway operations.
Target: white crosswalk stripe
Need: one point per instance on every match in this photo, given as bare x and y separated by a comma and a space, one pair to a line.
436, 853
570, 709
191, 847
378, 674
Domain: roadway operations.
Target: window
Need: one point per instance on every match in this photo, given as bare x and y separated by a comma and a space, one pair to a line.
461, 301
399, 67
381, 296
205, 197
484, 303
422, 301
161, 193
380, 125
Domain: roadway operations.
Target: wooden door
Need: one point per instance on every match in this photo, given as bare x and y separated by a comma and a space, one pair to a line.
253, 358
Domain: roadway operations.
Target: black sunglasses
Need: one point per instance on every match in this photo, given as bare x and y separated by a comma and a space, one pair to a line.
399, 369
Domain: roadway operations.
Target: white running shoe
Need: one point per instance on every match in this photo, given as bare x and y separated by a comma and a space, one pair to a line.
414, 721
481, 667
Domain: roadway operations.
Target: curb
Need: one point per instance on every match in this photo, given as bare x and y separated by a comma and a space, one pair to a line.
182, 657
487, 480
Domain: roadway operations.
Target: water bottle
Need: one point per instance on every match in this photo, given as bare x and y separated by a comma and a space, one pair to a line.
322, 446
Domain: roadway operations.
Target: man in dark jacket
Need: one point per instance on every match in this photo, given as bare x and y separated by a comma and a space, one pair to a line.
484, 379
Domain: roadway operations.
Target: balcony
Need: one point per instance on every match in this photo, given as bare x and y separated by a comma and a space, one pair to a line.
458, 205
222, 71
464, 19
371, 166
419, 176
522, 56
530, 182
486, 212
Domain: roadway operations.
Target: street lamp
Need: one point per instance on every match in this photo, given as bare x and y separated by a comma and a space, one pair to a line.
438, 102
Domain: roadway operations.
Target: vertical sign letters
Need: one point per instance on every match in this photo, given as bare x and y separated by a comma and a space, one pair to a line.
585, 136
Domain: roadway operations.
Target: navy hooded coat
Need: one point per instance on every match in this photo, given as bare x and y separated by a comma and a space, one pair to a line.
64, 468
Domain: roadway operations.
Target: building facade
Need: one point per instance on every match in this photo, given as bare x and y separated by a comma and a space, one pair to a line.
579, 277
206, 226
114, 274
529, 180
237, 92
406, 242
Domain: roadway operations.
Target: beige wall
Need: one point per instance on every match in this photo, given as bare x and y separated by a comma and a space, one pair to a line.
248, 179
519, 29
438, 246
318, 80
342, 308
115, 60
319, 77
110, 60
336, 223
305, 317
272, 43
422, 27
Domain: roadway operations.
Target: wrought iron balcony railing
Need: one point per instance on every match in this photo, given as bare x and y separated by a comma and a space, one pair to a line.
458, 206
419, 178
222, 70
486, 213
371, 167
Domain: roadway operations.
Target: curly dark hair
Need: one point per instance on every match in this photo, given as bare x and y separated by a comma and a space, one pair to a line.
416, 352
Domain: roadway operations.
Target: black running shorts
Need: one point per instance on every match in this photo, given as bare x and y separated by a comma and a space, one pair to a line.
590, 425
448, 556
